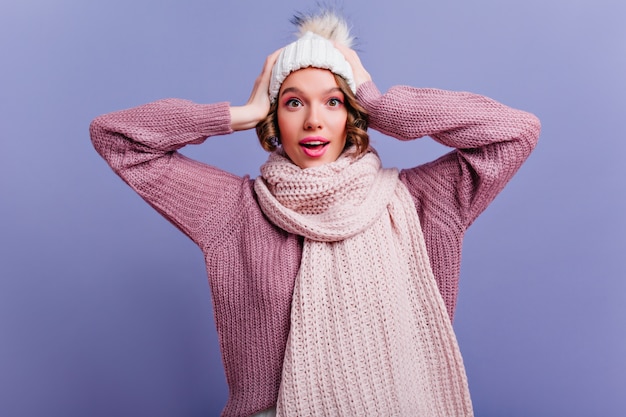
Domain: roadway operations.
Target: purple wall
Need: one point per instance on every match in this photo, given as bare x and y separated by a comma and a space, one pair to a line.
104, 306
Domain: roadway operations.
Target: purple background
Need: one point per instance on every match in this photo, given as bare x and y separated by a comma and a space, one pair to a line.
104, 306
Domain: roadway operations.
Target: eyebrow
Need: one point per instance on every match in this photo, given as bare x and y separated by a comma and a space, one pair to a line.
298, 91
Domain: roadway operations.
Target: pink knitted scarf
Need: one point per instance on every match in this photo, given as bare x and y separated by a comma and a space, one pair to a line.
369, 330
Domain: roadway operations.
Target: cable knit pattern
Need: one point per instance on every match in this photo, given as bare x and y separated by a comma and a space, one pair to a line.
251, 263
369, 335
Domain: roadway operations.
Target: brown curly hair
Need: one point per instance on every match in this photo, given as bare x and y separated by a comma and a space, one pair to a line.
356, 124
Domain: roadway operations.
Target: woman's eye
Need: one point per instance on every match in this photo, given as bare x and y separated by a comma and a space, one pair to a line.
334, 102
292, 102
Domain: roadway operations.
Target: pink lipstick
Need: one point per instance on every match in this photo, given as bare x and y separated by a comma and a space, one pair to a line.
314, 146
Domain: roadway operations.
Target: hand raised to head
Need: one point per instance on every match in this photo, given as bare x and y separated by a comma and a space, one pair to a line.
247, 116
360, 74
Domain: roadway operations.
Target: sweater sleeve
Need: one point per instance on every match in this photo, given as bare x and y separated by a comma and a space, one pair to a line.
140, 145
491, 142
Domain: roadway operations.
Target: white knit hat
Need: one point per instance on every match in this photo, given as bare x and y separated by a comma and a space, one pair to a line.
314, 49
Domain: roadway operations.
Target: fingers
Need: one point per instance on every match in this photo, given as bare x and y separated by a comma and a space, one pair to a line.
271, 59
349, 53
360, 73
269, 64
262, 83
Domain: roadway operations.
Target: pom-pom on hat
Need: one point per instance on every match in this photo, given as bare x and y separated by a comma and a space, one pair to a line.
314, 48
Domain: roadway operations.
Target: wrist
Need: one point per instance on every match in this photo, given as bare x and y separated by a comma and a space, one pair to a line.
244, 117
361, 77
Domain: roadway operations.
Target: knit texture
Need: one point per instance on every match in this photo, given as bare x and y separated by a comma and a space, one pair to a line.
311, 50
251, 263
369, 335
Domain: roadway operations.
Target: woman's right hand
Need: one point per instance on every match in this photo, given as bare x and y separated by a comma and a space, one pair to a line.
258, 105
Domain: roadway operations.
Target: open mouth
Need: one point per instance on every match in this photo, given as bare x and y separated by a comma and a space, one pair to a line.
314, 144
314, 147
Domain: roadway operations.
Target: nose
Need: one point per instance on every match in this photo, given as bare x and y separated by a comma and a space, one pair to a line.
312, 120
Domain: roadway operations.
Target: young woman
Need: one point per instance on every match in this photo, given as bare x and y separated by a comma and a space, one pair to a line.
333, 280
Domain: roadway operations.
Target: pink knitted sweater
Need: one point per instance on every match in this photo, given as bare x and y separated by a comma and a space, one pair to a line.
251, 263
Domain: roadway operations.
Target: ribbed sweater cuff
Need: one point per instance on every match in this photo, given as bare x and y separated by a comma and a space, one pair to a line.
214, 119
367, 94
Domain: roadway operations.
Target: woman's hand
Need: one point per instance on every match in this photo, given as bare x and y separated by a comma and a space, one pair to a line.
360, 74
258, 105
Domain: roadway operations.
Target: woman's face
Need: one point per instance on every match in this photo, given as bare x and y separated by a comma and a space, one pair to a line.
312, 117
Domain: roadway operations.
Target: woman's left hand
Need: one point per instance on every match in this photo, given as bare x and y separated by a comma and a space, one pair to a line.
360, 74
